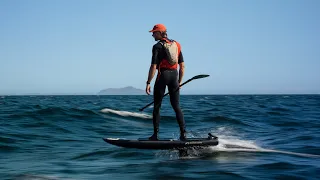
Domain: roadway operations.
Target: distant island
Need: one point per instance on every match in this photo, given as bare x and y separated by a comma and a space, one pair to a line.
129, 90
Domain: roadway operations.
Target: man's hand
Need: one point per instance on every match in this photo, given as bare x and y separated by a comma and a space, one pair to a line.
148, 89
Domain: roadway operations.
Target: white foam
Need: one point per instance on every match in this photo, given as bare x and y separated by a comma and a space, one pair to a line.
126, 113
230, 143
291, 153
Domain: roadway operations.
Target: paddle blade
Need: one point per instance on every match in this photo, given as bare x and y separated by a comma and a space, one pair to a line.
200, 76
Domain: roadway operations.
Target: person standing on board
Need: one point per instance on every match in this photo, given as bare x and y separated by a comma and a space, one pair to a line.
166, 58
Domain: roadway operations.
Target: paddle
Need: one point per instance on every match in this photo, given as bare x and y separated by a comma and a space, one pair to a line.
194, 78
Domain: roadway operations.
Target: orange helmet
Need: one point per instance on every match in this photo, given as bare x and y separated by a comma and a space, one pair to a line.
158, 27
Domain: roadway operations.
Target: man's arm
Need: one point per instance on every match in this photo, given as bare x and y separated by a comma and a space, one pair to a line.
152, 71
154, 62
153, 67
181, 72
181, 67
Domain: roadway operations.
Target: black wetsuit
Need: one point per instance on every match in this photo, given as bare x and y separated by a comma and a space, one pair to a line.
170, 78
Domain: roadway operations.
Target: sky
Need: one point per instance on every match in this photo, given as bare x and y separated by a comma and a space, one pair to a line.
82, 47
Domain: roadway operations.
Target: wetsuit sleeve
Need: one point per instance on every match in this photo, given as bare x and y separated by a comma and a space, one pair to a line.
180, 58
155, 53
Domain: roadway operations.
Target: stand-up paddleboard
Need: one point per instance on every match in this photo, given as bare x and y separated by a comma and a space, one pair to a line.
163, 143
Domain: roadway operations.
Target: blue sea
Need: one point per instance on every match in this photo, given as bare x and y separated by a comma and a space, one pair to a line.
60, 137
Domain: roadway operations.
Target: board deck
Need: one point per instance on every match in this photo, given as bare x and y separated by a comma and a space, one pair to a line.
144, 143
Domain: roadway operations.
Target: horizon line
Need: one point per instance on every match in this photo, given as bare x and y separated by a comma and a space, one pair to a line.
183, 94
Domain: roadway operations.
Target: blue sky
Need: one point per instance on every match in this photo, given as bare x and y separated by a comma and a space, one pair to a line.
81, 46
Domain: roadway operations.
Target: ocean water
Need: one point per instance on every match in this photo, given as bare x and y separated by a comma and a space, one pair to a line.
60, 137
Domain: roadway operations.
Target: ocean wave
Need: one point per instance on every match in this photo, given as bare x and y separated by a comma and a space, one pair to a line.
61, 135
220, 119
126, 113
7, 140
35, 177
8, 148
39, 112
285, 123
91, 155
280, 109
279, 165
112, 120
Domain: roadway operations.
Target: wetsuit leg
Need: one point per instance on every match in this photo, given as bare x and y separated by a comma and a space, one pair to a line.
175, 102
159, 90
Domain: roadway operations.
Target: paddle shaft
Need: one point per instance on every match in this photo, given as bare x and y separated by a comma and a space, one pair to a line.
167, 94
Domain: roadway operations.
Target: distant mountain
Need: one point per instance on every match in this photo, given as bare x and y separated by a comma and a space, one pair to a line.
129, 90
